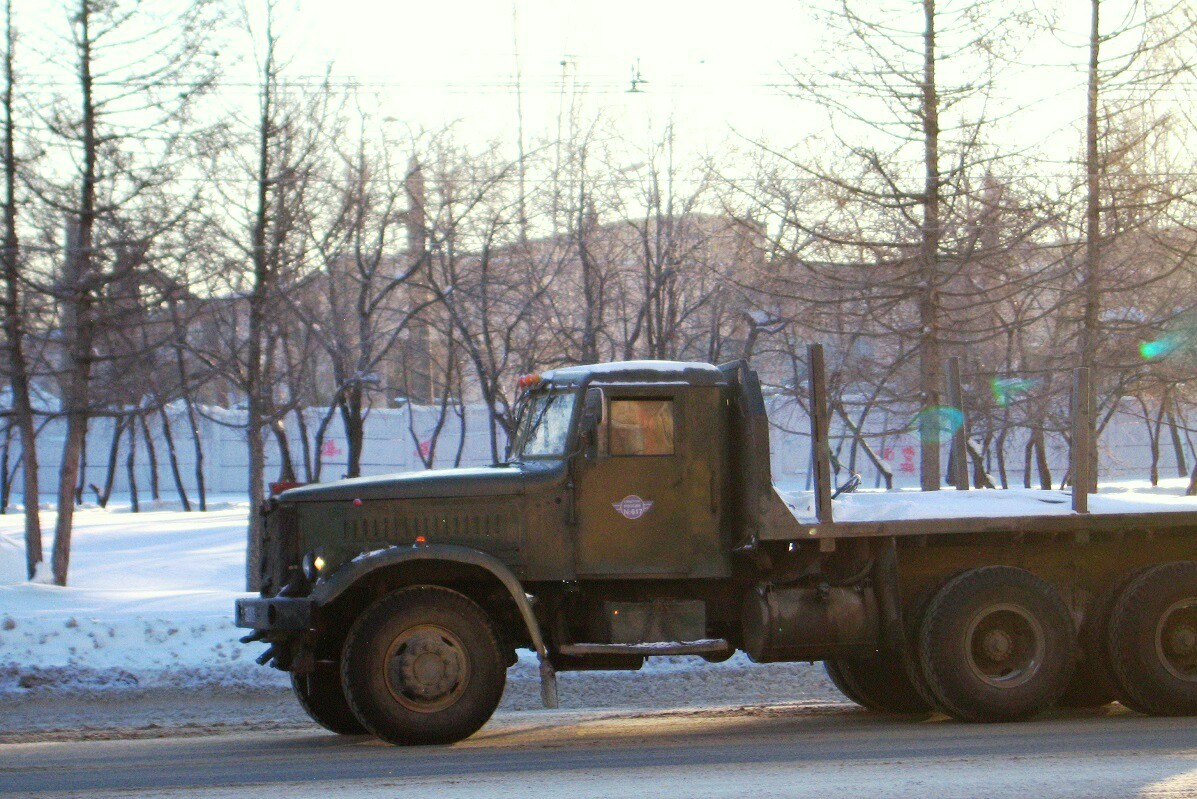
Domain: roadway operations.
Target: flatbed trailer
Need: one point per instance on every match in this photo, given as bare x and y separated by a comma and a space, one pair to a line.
638, 517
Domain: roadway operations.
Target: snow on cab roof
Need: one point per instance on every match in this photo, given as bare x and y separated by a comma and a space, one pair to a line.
639, 370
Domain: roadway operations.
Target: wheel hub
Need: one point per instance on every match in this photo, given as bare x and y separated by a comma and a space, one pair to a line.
427, 668
1176, 639
1006, 645
997, 645
1182, 641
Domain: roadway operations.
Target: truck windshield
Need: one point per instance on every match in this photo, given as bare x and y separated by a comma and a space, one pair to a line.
544, 426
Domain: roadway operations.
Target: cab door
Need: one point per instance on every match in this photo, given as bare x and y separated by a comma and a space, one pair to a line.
648, 502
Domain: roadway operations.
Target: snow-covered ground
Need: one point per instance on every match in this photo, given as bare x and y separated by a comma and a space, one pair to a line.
149, 602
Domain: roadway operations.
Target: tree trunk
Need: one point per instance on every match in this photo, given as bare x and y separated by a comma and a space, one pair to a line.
131, 466
1027, 454
351, 417
999, 449
1045, 474
461, 441
930, 357
114, 446
180, 343
257, 493
286, 463
1153, 439
880, 465
14, 327
151, 454
81, 483
305, 445
258, 297
198, 441
1182, 468
5, 478
1090, 334
980, 478
321, 432
75, 305
174, 458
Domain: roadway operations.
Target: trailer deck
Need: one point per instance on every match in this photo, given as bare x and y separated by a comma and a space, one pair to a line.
1117, 508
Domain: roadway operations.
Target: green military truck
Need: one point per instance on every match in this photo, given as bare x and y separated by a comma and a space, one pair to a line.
637, 517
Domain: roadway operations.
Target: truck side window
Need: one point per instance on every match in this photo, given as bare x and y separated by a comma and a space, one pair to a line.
641, 427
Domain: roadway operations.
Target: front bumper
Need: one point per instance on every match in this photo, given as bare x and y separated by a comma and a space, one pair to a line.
274, 613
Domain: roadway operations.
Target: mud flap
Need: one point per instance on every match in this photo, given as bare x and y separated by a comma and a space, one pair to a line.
548, 682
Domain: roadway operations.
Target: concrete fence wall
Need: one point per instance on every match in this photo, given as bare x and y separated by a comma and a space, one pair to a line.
390, 447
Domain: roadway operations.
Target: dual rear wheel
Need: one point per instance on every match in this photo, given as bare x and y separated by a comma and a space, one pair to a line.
998, 644
990, 644
1139, 643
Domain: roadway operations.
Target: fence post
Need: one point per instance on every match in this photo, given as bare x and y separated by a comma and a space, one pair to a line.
1082, 439
958, 466
819, 432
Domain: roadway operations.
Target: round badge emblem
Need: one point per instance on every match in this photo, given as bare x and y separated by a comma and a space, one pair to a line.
632, 506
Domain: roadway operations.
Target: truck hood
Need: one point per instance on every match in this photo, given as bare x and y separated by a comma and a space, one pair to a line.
489, 481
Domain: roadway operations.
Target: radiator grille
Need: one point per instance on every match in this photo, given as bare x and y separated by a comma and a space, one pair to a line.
486, 530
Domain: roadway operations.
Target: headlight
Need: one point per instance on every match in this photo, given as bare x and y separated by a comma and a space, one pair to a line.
313, 564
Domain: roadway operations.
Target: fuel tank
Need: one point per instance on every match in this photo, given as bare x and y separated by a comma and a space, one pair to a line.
791, 623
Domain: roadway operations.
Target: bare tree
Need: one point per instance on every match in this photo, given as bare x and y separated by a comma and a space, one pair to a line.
123, 132
18, 364
890, 231
263, 246
367, 302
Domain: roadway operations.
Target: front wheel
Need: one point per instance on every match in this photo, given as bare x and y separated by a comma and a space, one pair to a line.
422, 666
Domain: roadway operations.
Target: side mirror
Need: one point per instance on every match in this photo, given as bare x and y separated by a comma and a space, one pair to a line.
588, 426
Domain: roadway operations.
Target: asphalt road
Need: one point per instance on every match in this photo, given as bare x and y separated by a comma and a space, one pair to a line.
780, 750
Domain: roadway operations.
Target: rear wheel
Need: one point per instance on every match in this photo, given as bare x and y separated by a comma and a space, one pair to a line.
1153, 641
422, 666
321, 696
1087, 689
1093, 684
878, 683
832, 667
997, 644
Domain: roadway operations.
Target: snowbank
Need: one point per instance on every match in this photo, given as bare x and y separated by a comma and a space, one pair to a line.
1130, 496
149, 603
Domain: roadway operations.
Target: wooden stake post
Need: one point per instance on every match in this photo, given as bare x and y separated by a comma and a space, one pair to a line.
1082, 440
819, 432
959, 462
